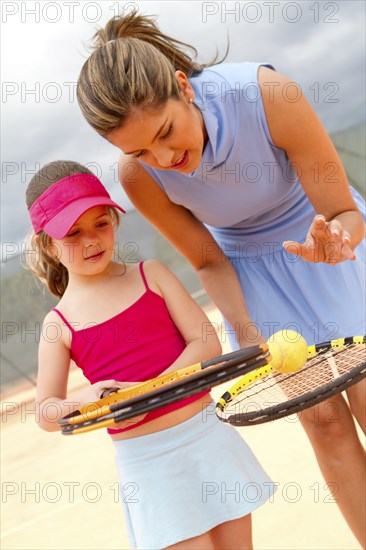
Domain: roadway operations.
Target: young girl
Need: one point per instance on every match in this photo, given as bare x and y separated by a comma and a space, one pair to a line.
235, 169
122, 324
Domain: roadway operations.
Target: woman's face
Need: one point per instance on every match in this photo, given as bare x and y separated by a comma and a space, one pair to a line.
170, 138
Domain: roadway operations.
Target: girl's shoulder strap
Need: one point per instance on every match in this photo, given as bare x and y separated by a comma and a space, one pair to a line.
63, 318
143, 276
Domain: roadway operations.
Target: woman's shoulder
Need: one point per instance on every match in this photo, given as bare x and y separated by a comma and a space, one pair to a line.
233, 72
224, 86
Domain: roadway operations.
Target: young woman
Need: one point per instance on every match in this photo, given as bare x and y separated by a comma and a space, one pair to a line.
233, 166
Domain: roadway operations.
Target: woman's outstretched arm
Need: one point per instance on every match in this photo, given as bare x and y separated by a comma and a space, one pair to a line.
295, 127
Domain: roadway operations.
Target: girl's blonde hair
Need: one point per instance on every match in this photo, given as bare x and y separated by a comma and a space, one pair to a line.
132, 65
40, 258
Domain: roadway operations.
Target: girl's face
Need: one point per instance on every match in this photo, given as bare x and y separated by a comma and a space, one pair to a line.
88, 247
171, 138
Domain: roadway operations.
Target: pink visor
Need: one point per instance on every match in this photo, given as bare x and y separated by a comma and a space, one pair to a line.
62, 204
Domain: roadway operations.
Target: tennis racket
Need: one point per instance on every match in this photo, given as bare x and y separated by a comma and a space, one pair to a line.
266, 395
127, 403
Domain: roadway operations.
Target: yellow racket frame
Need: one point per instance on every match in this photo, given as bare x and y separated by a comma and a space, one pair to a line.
250, 378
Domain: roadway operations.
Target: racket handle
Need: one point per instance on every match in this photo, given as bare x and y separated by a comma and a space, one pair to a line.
149, 385
93, 409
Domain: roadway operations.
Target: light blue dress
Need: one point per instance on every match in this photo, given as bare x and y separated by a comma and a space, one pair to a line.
249, 197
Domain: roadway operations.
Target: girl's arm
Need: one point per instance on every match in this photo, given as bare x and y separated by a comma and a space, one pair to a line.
191, 321
295, 127
191, 238
52, 401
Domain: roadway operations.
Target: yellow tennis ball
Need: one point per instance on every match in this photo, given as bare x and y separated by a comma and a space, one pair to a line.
289, 351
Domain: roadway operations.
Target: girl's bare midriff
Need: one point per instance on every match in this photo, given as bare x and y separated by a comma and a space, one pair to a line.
167, 421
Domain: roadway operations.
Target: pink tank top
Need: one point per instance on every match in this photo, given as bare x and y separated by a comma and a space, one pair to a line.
135, 345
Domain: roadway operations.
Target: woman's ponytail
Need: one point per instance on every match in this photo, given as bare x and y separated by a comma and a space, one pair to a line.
145, 28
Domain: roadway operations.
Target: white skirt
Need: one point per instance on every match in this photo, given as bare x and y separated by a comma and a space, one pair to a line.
183, 481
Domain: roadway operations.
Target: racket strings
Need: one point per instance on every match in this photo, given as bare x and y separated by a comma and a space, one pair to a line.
325, 368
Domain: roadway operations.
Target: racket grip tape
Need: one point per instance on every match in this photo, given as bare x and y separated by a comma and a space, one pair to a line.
110, 396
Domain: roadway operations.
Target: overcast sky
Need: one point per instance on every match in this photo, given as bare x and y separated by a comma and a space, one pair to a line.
320, 45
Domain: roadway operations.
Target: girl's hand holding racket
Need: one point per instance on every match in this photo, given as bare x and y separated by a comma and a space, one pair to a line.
325, 242
111, 389
95, 391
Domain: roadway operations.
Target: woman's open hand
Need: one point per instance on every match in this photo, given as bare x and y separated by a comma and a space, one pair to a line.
325, 242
